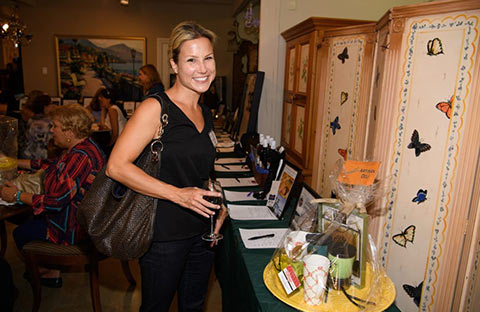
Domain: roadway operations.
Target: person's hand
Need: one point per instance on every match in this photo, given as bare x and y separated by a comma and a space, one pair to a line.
8, 192
222, 215
192, 198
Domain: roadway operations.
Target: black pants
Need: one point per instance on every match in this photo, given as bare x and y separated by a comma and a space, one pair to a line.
183, 266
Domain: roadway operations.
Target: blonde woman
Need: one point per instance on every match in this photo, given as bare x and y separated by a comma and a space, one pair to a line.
178, 259
150, 80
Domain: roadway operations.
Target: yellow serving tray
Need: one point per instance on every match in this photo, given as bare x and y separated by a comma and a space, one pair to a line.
383, 296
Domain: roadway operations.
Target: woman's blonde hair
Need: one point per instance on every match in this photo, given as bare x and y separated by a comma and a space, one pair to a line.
185, 31
76, 118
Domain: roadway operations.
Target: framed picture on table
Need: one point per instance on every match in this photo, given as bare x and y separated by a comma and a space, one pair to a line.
87, 100
305, 215
285, 185
86, 63
353, 229
56, 100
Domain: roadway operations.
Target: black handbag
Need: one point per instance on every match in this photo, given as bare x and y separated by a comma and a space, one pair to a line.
118, 220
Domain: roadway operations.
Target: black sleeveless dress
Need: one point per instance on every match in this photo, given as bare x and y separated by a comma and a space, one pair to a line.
187, 160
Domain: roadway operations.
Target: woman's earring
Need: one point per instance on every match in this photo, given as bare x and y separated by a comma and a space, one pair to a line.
68, 140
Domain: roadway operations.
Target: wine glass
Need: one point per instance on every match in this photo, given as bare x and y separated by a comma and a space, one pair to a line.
216, 187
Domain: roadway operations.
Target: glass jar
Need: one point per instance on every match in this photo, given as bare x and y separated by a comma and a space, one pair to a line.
8, 148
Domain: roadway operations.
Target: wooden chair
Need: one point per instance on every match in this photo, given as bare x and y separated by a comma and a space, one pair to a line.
41, 253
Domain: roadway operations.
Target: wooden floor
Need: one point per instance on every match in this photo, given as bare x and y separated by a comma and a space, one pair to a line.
74, 296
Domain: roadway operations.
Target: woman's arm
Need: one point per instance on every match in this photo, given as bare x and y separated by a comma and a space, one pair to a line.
113, 115
138, 132
24, 163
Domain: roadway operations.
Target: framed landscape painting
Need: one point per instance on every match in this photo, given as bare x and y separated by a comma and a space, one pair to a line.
86, 63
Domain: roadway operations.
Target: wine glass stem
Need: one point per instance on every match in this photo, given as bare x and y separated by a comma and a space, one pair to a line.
211, 225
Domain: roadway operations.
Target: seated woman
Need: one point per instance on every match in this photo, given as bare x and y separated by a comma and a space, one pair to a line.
94, 107
67, 178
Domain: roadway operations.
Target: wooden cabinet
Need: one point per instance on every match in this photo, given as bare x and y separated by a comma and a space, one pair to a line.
299, 122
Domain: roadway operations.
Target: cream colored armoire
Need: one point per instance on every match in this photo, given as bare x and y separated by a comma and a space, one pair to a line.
299, 124
425, 130
344, 64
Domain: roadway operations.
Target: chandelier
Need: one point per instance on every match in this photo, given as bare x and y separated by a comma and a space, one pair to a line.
13, 29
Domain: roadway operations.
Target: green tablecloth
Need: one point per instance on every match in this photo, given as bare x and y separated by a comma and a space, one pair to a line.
240, 270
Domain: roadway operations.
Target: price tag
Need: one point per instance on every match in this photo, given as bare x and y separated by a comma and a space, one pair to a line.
289, 279
358, 172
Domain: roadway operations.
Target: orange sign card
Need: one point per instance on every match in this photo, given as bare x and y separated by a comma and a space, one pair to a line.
358, 172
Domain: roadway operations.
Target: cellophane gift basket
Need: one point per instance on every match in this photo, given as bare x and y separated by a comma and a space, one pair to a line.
328, 262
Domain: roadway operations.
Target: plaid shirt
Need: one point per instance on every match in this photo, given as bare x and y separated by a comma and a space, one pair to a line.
67, 178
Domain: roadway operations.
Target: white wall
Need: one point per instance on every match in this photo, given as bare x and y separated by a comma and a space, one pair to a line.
278, 15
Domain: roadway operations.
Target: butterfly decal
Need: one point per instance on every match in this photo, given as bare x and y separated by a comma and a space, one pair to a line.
417, 145
343, 56
434, 47
421, 196
446, 107
343, 153
406, 236
343, 97
414, 292
335, 125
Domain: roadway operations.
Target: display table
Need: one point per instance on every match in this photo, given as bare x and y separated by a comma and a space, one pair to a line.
240, 270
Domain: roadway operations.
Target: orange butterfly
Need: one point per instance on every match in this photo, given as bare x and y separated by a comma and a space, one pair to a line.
446, 107
343, 153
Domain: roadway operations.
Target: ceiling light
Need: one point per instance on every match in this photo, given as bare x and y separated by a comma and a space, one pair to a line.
124, 2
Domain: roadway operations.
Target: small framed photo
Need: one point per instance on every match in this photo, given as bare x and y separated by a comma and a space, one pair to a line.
22, 102
288, 176
129, 107
56, 100
353, 229
305, 215
87, 100
67, 102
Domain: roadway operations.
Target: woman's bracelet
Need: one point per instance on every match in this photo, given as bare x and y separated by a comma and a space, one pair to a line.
19, 201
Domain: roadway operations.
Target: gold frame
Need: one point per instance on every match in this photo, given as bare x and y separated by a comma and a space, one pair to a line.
73, 84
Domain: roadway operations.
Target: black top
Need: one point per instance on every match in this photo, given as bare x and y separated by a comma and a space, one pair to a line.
187, 160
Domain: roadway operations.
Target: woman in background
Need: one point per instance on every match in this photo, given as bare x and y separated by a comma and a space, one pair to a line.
150, 80
94, 107
38, 135
178, 259
66, 180
111, 116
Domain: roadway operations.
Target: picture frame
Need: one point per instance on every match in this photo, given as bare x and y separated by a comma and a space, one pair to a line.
86, 63
87, 100
56, 100
129, 107
288, 178
354, 229
67, 101
305, 214
21, 102
248, 110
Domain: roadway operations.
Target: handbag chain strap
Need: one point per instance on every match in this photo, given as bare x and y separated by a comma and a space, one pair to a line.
161, 130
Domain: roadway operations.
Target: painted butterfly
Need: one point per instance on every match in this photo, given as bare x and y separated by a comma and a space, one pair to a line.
446, 107
415, 143
343, 56
421, 196
335, 125
343, 97
414, 292
343, 153
434, 47
406, 236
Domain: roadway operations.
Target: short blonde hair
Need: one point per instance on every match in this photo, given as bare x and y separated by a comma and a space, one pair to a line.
76, 118
185, 31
